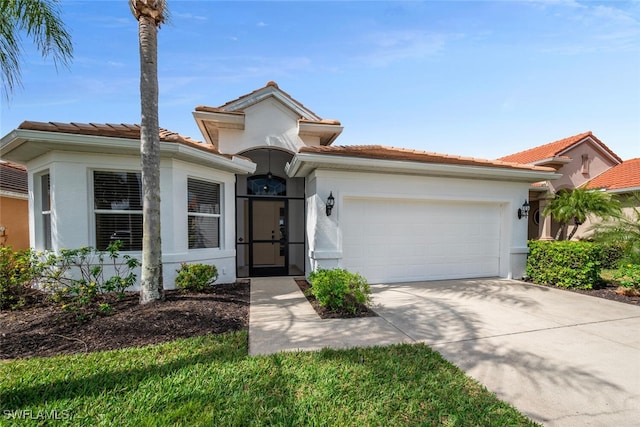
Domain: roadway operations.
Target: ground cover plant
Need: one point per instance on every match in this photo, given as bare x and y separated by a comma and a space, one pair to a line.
210, 380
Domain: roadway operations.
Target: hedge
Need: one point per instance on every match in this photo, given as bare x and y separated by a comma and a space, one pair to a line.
565, 264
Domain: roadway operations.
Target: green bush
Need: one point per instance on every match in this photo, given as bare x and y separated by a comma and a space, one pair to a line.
612, 254
77, 276
339, 289
196, 277
565, 264
629, 278
16, 274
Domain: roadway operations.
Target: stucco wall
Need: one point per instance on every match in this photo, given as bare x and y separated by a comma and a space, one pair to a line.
572, 175
73, 219
268, 123
14, 218
325, 234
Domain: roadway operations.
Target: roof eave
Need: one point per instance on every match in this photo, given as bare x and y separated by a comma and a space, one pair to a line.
15, 147
304, 163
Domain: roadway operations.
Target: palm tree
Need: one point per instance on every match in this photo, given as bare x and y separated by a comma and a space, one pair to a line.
150, 15
40, 19
577, 205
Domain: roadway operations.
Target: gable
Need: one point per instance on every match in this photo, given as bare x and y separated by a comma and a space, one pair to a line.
556, 152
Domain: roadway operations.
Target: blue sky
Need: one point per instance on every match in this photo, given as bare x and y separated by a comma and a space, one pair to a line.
479, 78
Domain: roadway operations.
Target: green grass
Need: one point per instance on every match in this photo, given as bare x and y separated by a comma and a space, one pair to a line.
211, 381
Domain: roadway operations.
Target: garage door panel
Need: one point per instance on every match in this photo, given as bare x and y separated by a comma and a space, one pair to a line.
403, 240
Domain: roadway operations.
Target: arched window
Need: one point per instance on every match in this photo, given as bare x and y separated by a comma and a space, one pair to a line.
266, 185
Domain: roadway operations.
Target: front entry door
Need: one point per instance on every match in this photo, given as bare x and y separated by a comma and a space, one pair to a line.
268, 237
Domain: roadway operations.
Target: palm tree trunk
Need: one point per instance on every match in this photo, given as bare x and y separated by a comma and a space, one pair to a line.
560, 230
151, 287
575, 228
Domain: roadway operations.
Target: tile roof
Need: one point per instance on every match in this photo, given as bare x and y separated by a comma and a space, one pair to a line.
128, 131
13, 178
624, 175
392, 153
554, 149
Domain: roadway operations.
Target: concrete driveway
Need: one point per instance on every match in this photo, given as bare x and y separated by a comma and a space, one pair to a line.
562, 358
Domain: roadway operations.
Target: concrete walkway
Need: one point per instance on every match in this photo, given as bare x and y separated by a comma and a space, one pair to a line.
562, 358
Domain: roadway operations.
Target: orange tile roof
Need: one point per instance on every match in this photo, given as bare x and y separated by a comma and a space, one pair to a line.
403, 154
127, 131
624, 175
554, 149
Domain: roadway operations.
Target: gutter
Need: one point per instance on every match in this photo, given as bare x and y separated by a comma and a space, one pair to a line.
304, 163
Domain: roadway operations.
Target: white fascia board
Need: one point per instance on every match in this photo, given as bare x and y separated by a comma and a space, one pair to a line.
222, 120
303, 163
109, 145
14, 195
551, 160
276, 93
624, 190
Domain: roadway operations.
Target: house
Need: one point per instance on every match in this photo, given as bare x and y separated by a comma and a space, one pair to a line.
14, 206
267, 193
622, 181
579, 159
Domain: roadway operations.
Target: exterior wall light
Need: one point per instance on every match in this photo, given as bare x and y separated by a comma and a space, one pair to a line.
331, 201
523, 212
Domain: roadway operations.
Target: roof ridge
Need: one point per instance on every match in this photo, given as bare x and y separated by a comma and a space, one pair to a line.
576, 137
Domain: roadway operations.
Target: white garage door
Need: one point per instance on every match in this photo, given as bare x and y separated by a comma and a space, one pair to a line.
389, 240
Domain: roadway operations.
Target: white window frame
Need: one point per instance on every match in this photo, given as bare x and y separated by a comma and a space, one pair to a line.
95, 211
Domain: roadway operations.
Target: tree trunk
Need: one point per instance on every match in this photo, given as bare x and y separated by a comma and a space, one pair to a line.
151, 287
560, 230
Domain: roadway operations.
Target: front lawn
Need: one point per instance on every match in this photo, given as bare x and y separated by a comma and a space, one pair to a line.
210, 380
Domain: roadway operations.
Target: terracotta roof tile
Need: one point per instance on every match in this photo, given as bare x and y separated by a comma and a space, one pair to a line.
128, 131
554, 149
624, 175
392, 153
13, 178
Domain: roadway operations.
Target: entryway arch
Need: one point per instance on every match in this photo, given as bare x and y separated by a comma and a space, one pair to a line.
270, 217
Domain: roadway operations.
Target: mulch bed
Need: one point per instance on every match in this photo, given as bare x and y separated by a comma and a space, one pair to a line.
606, 291
325, 313
44, 329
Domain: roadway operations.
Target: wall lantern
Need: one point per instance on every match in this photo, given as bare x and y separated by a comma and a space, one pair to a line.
523, 212
330, 202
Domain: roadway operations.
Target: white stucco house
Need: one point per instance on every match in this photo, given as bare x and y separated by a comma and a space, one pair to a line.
254, 197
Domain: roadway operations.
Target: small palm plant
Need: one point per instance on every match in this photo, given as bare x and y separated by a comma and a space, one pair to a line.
624, 230
577, 205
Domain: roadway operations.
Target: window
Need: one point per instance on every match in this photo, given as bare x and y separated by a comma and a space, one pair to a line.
585, 164
117, 198
266, 185
203, 214
45, 204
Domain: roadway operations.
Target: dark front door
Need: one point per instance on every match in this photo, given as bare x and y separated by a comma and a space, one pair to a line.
268, 237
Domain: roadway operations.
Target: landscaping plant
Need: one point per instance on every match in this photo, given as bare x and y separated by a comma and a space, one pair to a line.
628, 277
16, 275
339, 289
564, 264
196, 277
77, 276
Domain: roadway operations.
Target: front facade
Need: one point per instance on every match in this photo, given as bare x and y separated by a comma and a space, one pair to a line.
252, 197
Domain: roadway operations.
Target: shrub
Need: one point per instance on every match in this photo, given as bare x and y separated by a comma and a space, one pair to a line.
339, 289
628, 277
196, 277
612, 254
77, 276
565, 264
16, 275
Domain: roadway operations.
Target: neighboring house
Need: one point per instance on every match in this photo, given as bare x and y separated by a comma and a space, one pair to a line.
267, 194
622, 181
578, 159
14, 206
